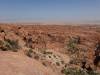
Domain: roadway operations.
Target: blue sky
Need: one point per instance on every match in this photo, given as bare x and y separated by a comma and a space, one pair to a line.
50, 10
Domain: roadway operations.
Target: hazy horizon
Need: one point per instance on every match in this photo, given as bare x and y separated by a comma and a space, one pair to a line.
46, 11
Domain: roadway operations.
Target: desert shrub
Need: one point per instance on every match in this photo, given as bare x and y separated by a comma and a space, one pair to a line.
62, 62
72, 45
49, 56
36, 57
93, 73
43, 63
1, 46
75, 71
71, 71
11, 45
45, 52
57, 63
29, 53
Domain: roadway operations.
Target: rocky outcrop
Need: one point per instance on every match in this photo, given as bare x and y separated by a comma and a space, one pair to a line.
75, 44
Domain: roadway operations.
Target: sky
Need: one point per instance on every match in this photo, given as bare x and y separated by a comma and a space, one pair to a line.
87, 11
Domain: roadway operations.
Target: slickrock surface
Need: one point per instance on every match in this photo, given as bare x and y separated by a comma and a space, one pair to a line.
47, 49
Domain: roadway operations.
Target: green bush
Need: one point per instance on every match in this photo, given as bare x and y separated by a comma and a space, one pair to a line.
75, 71
72, 45
11, 45
2, 47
